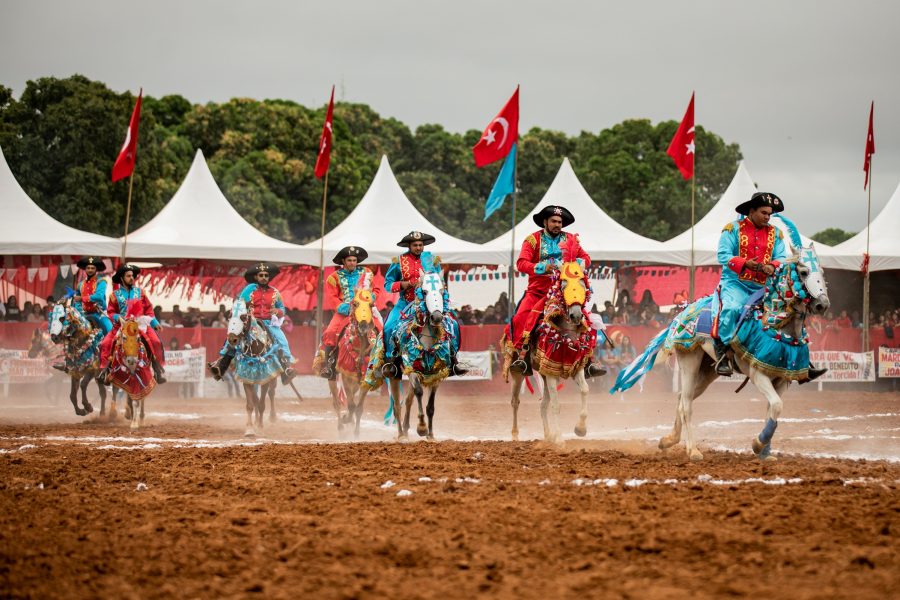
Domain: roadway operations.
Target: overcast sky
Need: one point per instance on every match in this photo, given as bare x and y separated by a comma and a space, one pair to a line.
790, 81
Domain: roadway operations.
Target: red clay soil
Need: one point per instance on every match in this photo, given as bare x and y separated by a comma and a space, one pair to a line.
498, 519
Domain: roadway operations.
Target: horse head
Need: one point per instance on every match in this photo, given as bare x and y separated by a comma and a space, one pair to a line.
813, 280
431, 286
239, 321
574, 290
363, 300
57, 322
131, 342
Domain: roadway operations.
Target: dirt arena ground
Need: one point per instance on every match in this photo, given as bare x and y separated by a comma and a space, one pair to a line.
189, 507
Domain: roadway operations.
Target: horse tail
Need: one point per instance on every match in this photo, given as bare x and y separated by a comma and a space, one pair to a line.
643, 363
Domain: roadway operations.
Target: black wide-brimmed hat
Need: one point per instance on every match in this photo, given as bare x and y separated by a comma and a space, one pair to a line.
416, 236
551, 211
761, 199
359, 253
91, 260
262, 267
120, 272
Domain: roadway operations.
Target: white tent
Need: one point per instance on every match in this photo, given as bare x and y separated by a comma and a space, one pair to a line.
708, 229
601, 236
199, 222
26, 229
884, 243
384, 216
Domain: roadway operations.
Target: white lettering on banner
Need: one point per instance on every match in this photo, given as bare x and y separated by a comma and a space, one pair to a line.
844, 366
185, 365
478, 364
16, 367
888, 362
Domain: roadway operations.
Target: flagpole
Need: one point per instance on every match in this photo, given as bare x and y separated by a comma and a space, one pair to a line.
320, 287
127, 216
693, 211
866, 324
511, 304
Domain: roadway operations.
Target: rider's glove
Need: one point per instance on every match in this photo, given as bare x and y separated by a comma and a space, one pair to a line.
542, 267
344, 309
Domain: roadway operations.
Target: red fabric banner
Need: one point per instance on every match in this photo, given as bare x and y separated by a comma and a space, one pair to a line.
124, 165
500, 134
681, 149
323, 160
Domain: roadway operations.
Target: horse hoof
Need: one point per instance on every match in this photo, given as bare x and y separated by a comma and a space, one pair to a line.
769, 459
696, 455
515, 436
757, 446
80, 412
128, 413
430, 438
422, 430
88, 408
249, 434
402, 438
666, 443
580, 430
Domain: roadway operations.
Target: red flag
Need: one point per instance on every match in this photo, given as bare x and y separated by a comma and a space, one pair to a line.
324, 158
500, 134
124, 165
870, 145
682, 147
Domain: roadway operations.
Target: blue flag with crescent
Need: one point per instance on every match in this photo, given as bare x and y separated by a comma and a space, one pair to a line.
504, 186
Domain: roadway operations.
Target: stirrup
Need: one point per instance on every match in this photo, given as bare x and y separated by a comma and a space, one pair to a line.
215, 369
389, 369
594, 370
519, 366
288, 374
457, 370
103, 375
723, 366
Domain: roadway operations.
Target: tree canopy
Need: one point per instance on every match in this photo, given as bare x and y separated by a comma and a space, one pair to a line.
61, 137
832, 236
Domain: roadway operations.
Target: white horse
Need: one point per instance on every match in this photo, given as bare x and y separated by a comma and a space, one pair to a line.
796, 290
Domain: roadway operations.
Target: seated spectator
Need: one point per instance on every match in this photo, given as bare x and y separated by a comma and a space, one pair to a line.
843, 320
855, 320
13, 312
220, 321
624, 300
36, 315
177, 316
648, 304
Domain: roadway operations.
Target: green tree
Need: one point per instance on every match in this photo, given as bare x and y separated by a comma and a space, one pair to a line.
832, 236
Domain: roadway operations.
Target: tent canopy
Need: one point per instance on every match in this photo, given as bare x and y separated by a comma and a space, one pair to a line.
601, 236
384, 216
884, 243
26, 229
708, 229
199, 222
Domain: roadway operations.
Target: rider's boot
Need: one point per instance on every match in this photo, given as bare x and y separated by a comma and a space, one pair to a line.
328, 371
158, 371
813, 373
219, 366
391, 367
103, 375
455, 368
723, 362
594, 369
520, 365
61, 366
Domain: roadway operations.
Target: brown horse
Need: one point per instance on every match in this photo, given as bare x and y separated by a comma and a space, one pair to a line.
81, 349
560, 348
130, 366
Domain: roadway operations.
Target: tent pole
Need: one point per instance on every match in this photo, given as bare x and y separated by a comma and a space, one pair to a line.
320, 286
127, 216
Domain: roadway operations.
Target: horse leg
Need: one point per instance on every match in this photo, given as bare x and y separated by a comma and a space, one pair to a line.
518, 378
421, 428
408, 401
113, 412
762, 443
694, 381
363, 391
260, 402
272, 416
545, 402
249, 393
398, 407
553, 413
102, 390
73, 397
432, 392
135, 405
84, 401
581, 382
335, 402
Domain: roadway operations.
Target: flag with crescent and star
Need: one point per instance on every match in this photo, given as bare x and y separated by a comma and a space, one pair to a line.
870, 145
323, 160
500, 135
682, 147
124, 165
504, 186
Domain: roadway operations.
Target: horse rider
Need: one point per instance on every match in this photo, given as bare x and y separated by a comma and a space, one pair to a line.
749, 251
341, 288
90, 297
125, 291
403, 277
540, 256
265, 304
